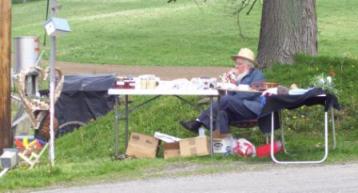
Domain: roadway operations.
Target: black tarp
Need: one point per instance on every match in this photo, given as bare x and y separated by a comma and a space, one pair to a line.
83, 98
276, 103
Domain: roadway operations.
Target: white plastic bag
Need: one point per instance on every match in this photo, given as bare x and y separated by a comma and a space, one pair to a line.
244, 148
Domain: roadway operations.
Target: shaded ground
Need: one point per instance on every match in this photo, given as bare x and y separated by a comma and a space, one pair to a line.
272, 179
164, 72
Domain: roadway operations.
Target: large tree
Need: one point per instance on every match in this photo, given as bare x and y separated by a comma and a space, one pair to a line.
288, 27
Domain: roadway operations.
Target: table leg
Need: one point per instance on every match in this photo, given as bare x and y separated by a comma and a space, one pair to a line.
211, 126
127, 122
282, 132
333, 129
116, 127
300, 162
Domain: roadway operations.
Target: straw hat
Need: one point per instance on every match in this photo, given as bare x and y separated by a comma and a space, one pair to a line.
247, 54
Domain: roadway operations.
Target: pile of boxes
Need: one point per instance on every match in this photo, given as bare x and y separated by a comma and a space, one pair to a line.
144, 146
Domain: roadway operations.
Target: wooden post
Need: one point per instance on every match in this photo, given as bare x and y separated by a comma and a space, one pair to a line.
6, 136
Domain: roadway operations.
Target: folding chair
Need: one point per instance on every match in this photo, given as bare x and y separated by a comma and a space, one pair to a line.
31, 155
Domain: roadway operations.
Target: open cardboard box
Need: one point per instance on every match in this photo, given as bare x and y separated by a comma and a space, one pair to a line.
171, 150
142, 146
196, 146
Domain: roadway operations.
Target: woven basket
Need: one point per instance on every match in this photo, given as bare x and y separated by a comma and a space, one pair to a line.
262, 86
43, 132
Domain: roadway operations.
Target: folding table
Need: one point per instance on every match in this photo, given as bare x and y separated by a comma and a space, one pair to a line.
157, 92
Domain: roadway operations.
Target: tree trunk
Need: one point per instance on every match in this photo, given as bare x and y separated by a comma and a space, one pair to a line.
6, 138
288, 27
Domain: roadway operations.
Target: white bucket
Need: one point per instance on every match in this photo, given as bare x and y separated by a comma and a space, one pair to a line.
27, 50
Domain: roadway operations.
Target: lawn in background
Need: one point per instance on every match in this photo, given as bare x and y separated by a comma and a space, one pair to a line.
153, 32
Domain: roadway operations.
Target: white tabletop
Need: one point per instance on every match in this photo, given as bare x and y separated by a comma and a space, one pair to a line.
189, 92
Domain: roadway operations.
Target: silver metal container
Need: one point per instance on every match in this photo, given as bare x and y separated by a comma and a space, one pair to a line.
27, 50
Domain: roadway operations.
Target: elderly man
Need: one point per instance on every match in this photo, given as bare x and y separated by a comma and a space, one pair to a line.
235, 106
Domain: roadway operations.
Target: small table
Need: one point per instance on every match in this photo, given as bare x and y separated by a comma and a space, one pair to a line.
315, 96
157, 92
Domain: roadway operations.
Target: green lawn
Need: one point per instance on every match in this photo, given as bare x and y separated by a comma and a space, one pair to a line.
153, 32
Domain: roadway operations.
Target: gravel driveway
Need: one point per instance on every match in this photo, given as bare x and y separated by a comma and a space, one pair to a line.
275, 179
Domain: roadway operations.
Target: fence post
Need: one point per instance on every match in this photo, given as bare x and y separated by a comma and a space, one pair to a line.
6, 136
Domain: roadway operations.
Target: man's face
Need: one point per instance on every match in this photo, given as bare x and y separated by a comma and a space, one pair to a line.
241, 66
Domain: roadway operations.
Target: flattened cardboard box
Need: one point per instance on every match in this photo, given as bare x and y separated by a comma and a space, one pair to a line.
197, 146
171, 150
142, 146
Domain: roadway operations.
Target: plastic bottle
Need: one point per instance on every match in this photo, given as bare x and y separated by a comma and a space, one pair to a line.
264, 150
201, 132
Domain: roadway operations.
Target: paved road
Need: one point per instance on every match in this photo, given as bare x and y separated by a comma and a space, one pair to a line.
290, 179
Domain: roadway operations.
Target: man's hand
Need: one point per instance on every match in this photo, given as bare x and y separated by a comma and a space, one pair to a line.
229, 77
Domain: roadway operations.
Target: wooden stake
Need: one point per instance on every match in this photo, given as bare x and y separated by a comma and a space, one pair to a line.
6, 136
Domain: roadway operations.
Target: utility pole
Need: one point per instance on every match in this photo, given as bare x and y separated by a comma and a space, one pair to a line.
6, 136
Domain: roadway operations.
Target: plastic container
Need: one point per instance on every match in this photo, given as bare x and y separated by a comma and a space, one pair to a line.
264, 150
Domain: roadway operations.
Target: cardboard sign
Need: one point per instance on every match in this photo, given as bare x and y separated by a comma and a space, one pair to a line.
142, 146
197, 146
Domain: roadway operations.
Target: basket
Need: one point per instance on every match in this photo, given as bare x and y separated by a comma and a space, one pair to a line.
262, 86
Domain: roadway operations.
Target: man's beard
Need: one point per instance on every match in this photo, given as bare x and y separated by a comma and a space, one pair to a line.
239, 77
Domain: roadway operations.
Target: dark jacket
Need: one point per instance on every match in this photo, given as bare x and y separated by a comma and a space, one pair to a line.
251, 100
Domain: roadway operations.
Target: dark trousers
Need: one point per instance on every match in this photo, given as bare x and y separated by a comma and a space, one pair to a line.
229, 109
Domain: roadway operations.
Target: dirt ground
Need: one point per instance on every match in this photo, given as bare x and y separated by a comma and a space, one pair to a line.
164, 72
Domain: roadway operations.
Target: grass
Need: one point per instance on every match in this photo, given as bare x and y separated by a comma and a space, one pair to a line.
85, 155
153, 32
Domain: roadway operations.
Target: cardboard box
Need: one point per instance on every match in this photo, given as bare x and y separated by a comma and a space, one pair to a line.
197, 146
142, 146
171, 150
